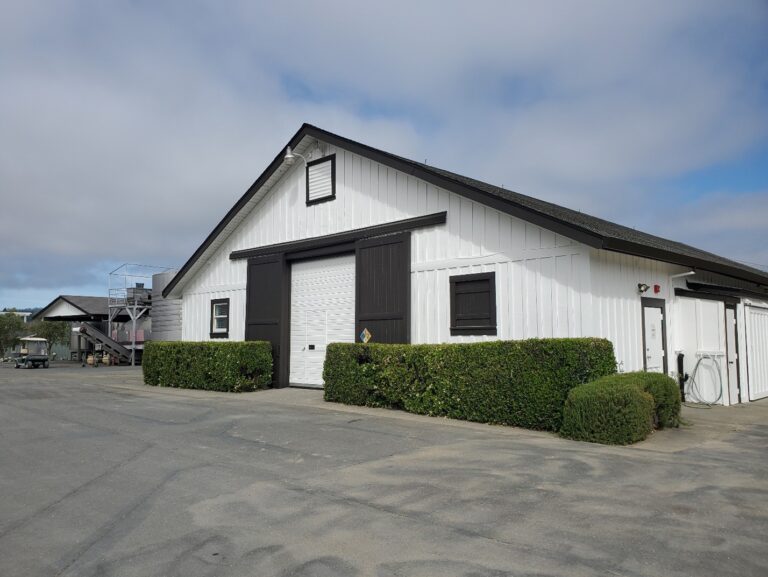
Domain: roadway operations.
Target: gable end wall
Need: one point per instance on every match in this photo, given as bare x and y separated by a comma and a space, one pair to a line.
542, 277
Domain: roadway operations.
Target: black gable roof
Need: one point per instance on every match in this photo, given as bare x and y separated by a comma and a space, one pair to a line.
590, 230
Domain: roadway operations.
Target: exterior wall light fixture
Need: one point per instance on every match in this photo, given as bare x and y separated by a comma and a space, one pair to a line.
290, 156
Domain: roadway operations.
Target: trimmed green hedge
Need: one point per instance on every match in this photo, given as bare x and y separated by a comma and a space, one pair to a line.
608, 411
230, 366
520, 383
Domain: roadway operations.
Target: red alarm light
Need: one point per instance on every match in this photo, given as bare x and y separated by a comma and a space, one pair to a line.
656, 289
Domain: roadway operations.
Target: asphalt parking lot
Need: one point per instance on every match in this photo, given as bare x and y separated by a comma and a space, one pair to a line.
100, 475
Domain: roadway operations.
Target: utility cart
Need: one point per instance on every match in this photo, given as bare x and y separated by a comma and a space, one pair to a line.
33, 353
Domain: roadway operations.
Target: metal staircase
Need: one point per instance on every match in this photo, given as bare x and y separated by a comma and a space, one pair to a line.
112, 347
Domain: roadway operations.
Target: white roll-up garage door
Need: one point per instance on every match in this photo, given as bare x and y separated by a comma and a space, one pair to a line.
757, 351
322, 312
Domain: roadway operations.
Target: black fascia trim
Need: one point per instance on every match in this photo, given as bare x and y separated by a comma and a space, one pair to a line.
225, 334
403, 165
50, 304
239, 205
332, 159
727, 290
490, 329
332, 250
707, 296
66, 300
635, 249
339, 238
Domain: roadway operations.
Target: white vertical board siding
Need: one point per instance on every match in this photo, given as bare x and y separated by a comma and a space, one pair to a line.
615, 306
757, 351
700, 334
196, 315
539, 285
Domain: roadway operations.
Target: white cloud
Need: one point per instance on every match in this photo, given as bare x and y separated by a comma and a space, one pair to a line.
735, 224
132, 128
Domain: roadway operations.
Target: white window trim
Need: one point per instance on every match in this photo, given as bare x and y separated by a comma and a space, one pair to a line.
219, 332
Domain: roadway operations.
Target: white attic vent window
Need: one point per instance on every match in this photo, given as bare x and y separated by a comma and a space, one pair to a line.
321, 179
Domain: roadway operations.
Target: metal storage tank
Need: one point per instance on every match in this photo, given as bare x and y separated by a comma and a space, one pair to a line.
166, 313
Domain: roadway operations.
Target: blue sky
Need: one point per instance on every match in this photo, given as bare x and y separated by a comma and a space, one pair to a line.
127, 130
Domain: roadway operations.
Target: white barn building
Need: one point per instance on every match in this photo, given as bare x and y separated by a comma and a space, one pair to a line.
338, 241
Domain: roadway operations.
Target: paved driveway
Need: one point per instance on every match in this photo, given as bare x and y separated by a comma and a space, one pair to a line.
100, 475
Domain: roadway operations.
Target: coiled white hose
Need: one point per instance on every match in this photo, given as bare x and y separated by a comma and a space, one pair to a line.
694, 392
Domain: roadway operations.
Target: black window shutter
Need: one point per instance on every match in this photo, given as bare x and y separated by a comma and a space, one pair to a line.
473, 304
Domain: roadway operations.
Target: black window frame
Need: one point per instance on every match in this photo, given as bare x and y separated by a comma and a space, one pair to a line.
489, 329
219, 334
332, 196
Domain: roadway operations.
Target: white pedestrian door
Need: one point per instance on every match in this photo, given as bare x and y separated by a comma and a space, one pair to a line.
322, 312
757, 351
654, 338
732, 355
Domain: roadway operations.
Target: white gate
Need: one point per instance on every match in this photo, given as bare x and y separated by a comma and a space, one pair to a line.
757, 351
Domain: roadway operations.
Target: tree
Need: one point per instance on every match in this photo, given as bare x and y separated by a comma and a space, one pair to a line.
55, 332
11, 328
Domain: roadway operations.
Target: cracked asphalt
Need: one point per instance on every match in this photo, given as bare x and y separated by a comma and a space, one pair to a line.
100, 475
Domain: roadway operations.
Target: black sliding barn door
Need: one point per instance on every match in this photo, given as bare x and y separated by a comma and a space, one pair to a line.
264, 308
383, 289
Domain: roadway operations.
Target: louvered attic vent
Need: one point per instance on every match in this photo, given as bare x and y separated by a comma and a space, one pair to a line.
321, 179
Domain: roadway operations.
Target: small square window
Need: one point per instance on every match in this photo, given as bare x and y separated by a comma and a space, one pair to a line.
321, 179
473, 304
219, 318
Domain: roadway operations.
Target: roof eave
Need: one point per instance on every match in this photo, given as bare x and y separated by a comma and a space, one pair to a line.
239, 205
506, 206
635, 249
50, 304
559, 226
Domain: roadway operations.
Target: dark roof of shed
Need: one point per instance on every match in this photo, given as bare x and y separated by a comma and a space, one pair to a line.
590, 230
91, 305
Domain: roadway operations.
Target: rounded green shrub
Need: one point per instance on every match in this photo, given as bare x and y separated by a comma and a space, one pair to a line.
664, 390
607, 411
